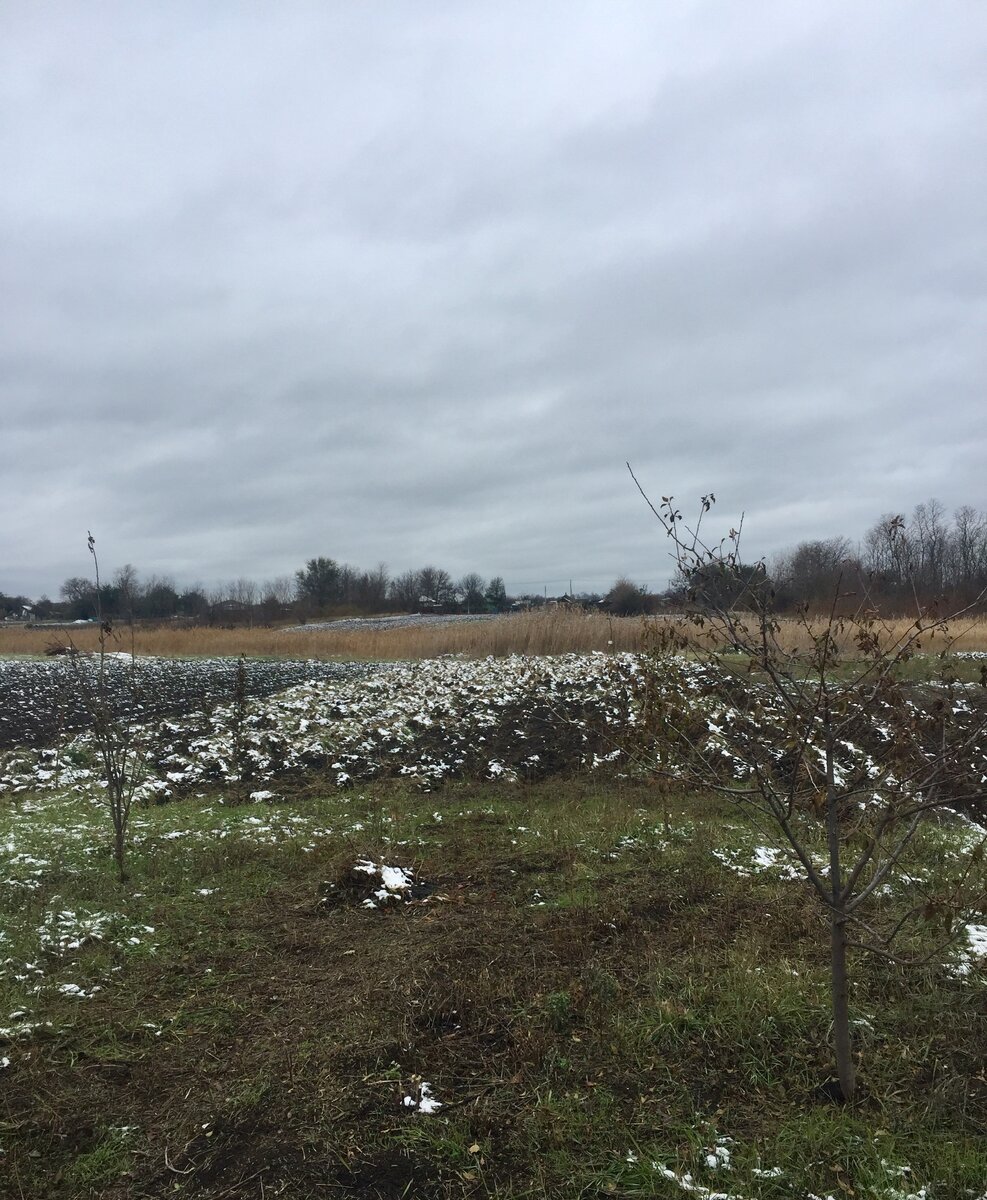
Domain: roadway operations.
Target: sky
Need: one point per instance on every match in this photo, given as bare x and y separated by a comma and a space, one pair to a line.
411, 282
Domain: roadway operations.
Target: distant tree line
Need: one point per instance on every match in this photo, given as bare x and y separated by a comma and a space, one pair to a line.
324, 585
322, 588
926, 557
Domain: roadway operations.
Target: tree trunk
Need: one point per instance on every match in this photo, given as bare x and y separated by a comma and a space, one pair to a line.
838, 939
120, 849
841, 1006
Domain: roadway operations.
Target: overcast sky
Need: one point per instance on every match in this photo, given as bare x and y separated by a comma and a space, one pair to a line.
411, 281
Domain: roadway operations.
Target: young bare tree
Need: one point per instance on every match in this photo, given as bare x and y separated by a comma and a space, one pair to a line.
814, 725
118, 743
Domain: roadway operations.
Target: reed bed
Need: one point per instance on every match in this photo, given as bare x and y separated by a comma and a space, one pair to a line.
524, 633
554, 632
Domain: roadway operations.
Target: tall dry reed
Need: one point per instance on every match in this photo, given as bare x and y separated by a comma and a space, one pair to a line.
551, 632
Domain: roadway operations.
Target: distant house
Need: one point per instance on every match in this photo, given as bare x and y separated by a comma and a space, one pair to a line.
24, 613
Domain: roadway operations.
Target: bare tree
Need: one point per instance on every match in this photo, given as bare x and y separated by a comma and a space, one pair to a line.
472, 587
242, 591
80, 595
118, 743
930, 537
436, 585
968, 551
807, 573
276, 598
127, 585
374, 588
405, 590
815, 729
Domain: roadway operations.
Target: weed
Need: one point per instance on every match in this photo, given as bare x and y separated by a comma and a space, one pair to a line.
559, 1013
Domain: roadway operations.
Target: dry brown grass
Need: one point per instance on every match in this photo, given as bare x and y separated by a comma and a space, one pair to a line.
961, 635
526, 633
555, 632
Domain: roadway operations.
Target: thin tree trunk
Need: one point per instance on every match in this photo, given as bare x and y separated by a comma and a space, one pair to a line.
119, 848
838, 939
841, 1007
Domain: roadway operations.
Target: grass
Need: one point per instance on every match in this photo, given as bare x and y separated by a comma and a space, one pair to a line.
548, 632
598, 1002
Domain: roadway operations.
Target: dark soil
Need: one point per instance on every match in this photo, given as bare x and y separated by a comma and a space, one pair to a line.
42, 700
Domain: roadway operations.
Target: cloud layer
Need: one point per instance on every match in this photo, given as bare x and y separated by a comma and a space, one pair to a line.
411, 282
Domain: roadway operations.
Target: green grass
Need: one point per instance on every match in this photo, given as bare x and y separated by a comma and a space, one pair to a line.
98, 1168
595, 998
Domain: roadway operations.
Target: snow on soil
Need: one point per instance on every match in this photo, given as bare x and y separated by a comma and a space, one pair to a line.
507, 718
39, 701
396, 883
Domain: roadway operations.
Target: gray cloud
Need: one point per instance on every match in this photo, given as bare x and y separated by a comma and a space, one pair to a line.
410, 283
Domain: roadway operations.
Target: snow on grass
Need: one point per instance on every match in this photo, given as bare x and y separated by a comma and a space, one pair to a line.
700, 1181
421, 1099
972, 955
77, 992
687, 1183
23, 1030
718, 1155
766, 859
496, 719
66, 931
